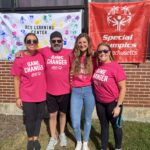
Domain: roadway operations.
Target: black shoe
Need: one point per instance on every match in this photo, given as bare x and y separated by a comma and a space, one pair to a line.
30, 145
37, 145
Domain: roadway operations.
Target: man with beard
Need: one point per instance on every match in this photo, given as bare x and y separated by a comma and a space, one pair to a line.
58, 63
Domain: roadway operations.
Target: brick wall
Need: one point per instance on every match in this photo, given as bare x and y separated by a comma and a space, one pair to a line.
138, 84
6, 83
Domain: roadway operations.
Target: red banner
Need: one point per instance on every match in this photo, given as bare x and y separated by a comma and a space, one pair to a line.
147, 6
123, 25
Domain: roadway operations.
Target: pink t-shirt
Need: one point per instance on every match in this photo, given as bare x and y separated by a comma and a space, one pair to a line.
31, 70
57, 70
105, 79
82, 79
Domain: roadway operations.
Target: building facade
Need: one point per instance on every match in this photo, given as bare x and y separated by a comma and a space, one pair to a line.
137, 100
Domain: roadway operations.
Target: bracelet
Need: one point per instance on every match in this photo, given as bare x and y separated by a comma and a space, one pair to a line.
17, 98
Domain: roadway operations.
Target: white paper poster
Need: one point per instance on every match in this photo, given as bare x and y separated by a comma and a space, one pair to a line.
14, 27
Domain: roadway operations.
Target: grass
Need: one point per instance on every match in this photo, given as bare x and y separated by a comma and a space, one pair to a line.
136, 137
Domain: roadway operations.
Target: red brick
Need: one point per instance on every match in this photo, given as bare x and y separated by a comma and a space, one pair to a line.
138, 84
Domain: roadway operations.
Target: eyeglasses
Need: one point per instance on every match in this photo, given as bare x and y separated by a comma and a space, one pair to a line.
32, 42
58, 41
103, 51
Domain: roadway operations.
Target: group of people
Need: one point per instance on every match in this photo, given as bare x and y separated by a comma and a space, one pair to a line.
65, 79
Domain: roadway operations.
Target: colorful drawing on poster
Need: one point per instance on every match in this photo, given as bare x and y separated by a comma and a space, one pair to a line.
15, 26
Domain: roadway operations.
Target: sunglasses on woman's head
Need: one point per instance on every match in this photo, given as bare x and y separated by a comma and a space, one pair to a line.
102, 51
32, 42
58, 41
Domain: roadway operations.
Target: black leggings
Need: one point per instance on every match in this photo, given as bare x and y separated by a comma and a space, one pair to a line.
33, 114
104, 112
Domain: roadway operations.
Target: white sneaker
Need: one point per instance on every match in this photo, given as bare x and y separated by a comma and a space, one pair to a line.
51, 144
79, 145
85, 146
63, 139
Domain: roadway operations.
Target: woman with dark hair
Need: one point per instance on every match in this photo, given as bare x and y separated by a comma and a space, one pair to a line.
30, 88
110, 87
82, 92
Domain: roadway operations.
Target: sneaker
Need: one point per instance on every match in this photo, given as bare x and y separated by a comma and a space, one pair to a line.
85, 146
63, 139
51, 144
30, 145
37, 145
79, 145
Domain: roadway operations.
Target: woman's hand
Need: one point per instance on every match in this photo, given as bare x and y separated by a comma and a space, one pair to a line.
19, 103
116, 111
19, 54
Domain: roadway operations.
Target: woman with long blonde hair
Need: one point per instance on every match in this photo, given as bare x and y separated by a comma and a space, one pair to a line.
82, 91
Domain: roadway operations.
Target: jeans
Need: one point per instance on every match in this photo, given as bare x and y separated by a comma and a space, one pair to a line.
82, 97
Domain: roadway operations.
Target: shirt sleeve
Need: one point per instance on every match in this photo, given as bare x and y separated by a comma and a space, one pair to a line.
71, 57
43, 50
16, 68
120, 73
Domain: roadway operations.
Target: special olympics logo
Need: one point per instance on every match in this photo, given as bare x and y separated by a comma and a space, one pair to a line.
119, 17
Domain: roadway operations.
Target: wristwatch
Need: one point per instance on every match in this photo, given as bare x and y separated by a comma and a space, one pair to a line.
120, 105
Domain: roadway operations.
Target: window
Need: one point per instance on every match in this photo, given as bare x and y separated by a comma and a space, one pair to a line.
5, 4
42, 3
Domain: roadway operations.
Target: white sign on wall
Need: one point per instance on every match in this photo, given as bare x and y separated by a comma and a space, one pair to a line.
14, 27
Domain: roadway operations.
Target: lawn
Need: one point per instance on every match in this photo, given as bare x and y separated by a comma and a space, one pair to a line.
13, 135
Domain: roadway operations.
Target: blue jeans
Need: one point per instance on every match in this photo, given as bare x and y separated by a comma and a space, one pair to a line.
82, 97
